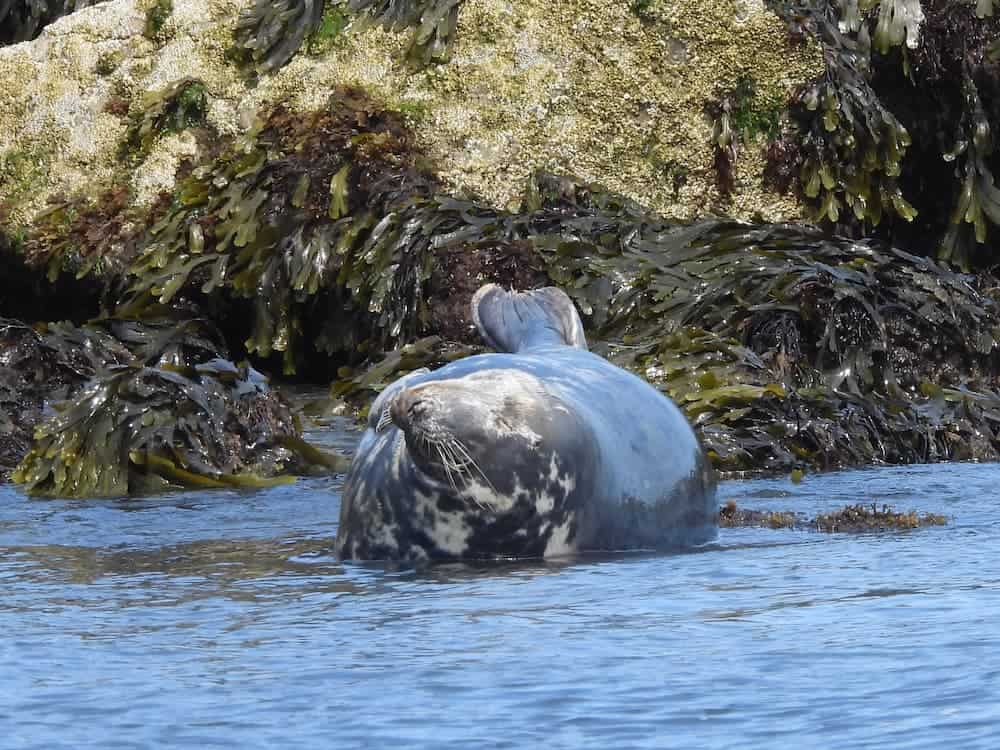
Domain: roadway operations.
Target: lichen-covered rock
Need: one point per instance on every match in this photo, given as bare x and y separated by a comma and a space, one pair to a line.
603, 89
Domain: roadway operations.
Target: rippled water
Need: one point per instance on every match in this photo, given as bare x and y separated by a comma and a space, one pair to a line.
221, 619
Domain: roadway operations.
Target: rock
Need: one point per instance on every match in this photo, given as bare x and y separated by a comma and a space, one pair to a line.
591, 87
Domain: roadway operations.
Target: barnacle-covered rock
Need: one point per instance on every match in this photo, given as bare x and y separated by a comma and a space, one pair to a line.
589, 87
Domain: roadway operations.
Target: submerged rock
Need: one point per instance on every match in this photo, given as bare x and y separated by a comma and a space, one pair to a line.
851, 519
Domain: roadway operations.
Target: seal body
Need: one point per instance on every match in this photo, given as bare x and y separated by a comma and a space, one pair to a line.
545, 450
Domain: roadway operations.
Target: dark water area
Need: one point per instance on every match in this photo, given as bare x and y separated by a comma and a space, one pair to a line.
222, 619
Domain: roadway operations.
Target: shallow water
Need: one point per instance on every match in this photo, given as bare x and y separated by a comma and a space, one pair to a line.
211, 620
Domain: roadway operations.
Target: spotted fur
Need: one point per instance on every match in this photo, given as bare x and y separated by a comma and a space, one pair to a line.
546, 451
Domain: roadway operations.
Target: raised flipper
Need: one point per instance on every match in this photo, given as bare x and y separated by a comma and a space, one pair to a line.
516, 321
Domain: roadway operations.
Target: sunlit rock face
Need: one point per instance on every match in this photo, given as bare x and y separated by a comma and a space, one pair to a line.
610, 91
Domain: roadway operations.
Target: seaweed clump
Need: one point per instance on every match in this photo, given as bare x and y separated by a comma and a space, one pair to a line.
163, 409
861, 517
851, 519
907, 110
156, 19
79, 237
271, 32
38, 364
850, 144
733, 517
181, 105
320, 223
23, 20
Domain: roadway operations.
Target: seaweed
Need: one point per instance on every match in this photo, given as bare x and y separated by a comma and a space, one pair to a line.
434, 23
156, 18
740, 116
150, 404
321, 221
850, 144
271, 32
79, 237
978, 202
173, 424
786, 348
177, 107
23, 20
906, 83
854, 519
867, 518
37, 364
431, 352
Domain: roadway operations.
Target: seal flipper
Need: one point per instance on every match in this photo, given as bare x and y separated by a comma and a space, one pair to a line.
515, 321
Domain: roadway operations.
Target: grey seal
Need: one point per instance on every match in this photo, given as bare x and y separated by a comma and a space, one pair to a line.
542, 450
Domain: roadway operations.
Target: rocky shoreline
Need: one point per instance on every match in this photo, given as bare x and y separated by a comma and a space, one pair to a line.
328, 242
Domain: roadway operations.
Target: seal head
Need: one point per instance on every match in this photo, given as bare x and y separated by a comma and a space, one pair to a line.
484, 466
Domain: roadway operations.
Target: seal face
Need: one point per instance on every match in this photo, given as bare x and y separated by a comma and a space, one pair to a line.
546, 450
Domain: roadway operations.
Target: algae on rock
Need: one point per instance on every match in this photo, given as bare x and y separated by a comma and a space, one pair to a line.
904, 112
587, 88
148, 404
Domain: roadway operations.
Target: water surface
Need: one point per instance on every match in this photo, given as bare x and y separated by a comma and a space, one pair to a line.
222, 619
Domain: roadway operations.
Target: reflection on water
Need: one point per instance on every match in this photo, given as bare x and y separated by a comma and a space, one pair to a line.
223, 620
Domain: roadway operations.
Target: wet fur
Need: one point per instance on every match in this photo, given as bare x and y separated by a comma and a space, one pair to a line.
546, 451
